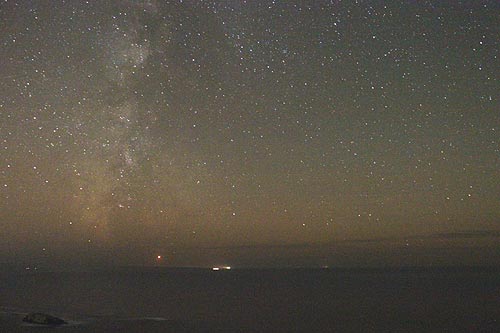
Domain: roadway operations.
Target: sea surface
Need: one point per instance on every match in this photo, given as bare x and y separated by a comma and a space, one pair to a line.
255, 300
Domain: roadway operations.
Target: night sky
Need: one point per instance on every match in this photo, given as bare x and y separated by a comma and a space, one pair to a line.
250, 132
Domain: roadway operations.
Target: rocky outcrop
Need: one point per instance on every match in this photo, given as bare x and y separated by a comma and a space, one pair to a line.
43, 319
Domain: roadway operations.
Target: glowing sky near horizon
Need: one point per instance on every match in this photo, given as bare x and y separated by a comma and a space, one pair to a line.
147, 127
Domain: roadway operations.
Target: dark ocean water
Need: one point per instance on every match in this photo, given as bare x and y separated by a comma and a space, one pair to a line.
287, 300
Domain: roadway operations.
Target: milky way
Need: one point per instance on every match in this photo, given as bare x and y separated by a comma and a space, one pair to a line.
132, 129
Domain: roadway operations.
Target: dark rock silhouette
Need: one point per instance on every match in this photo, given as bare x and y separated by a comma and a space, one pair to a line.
43, 319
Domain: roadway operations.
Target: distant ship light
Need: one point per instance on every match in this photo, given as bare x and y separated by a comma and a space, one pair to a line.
220, 268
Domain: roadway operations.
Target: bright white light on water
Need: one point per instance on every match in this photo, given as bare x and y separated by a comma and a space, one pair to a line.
218, 268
